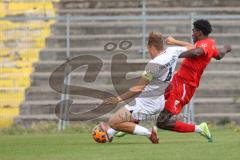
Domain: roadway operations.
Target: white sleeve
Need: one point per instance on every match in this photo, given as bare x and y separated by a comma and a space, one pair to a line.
177, 50
153, 70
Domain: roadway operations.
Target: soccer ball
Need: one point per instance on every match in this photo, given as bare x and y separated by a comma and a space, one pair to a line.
98, 135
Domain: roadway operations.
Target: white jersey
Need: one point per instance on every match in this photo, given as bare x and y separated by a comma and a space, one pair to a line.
159, 72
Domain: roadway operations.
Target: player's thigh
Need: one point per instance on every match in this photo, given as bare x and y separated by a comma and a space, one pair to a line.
189, 94
120, 116
175, 96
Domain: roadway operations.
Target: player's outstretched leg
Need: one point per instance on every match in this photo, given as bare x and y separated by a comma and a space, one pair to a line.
166, 122
122, 121
122, 134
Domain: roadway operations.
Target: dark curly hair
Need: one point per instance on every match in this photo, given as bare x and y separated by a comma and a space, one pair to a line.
204, 26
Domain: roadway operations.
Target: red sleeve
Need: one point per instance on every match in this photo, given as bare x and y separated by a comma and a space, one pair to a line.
204, 45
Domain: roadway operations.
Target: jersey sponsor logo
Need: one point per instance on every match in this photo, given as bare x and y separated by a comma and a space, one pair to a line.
204, 45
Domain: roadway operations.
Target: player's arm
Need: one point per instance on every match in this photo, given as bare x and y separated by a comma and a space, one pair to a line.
199, 51
192, 53
133, 91
172, 41
191, 50
223, 51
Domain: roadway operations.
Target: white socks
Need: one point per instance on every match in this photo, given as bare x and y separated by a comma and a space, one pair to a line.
198, 129
111, 132
141, 131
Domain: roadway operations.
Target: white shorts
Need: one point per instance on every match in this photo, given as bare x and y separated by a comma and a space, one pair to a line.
146, 108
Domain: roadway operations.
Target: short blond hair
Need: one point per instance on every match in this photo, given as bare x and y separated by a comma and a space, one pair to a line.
155, 39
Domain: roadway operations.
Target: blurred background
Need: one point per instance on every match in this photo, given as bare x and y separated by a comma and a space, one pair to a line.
36, 37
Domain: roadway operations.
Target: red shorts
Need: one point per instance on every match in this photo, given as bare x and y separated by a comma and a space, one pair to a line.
177, 95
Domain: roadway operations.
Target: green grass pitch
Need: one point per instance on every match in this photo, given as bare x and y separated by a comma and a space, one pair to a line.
226, 146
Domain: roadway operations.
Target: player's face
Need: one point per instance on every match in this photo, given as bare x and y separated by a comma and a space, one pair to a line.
151, 50
195, 34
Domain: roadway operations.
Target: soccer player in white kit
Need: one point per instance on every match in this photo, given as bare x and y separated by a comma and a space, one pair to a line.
150, 90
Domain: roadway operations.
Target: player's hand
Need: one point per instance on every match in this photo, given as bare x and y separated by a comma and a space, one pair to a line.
227, 48
112, 100
170, 40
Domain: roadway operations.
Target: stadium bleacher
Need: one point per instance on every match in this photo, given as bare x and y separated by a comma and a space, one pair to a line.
20, 44
218, 96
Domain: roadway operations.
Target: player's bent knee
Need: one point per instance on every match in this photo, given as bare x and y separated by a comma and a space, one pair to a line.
161, 122
161, 125
114, 125
164, 120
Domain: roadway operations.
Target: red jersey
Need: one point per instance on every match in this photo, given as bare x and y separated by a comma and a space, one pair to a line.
191, 69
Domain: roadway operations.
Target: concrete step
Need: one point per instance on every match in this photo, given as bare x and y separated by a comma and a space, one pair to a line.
209, 77
217, 117
81, 4
50, 66
217, 105
150, 11
230, 62
105, 76
202, 105
211, 91
135, 27
28, 120
93, 4
44, 92
136, 39
48, 107
192, 3
227, 63
59, 54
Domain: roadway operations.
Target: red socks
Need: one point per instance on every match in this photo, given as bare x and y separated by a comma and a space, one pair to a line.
184, 127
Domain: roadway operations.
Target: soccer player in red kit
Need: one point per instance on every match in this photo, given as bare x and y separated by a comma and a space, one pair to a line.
186, 80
